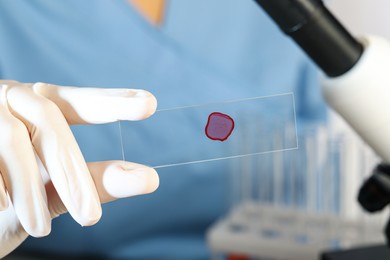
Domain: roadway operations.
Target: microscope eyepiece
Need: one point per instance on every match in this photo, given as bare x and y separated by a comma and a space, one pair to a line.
317, 32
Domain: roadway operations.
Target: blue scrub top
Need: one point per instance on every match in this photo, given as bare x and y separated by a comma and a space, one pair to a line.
205, 51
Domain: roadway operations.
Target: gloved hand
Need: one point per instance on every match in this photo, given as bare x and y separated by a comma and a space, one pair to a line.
42, 171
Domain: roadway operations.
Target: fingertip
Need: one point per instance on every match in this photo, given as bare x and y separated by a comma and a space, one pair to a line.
84, 207
38, 229
139, 106
125, 179
152, 106
90, 215
34, 217
146, 107
153, 181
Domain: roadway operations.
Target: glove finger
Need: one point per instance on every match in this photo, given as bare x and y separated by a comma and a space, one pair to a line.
97, 105
120, 179
3, 195
21, 176
113, 180
56, 146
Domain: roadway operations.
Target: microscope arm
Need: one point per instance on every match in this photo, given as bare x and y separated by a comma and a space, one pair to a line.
357, 81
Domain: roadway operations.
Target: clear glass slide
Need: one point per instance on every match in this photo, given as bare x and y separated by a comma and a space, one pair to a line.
214, 131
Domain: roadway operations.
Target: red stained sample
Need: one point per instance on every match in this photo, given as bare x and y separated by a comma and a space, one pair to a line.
219, 126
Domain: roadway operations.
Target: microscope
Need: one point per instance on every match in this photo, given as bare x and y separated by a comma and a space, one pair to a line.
356, 81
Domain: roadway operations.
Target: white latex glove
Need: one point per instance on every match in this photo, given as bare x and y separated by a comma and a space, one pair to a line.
35, 138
